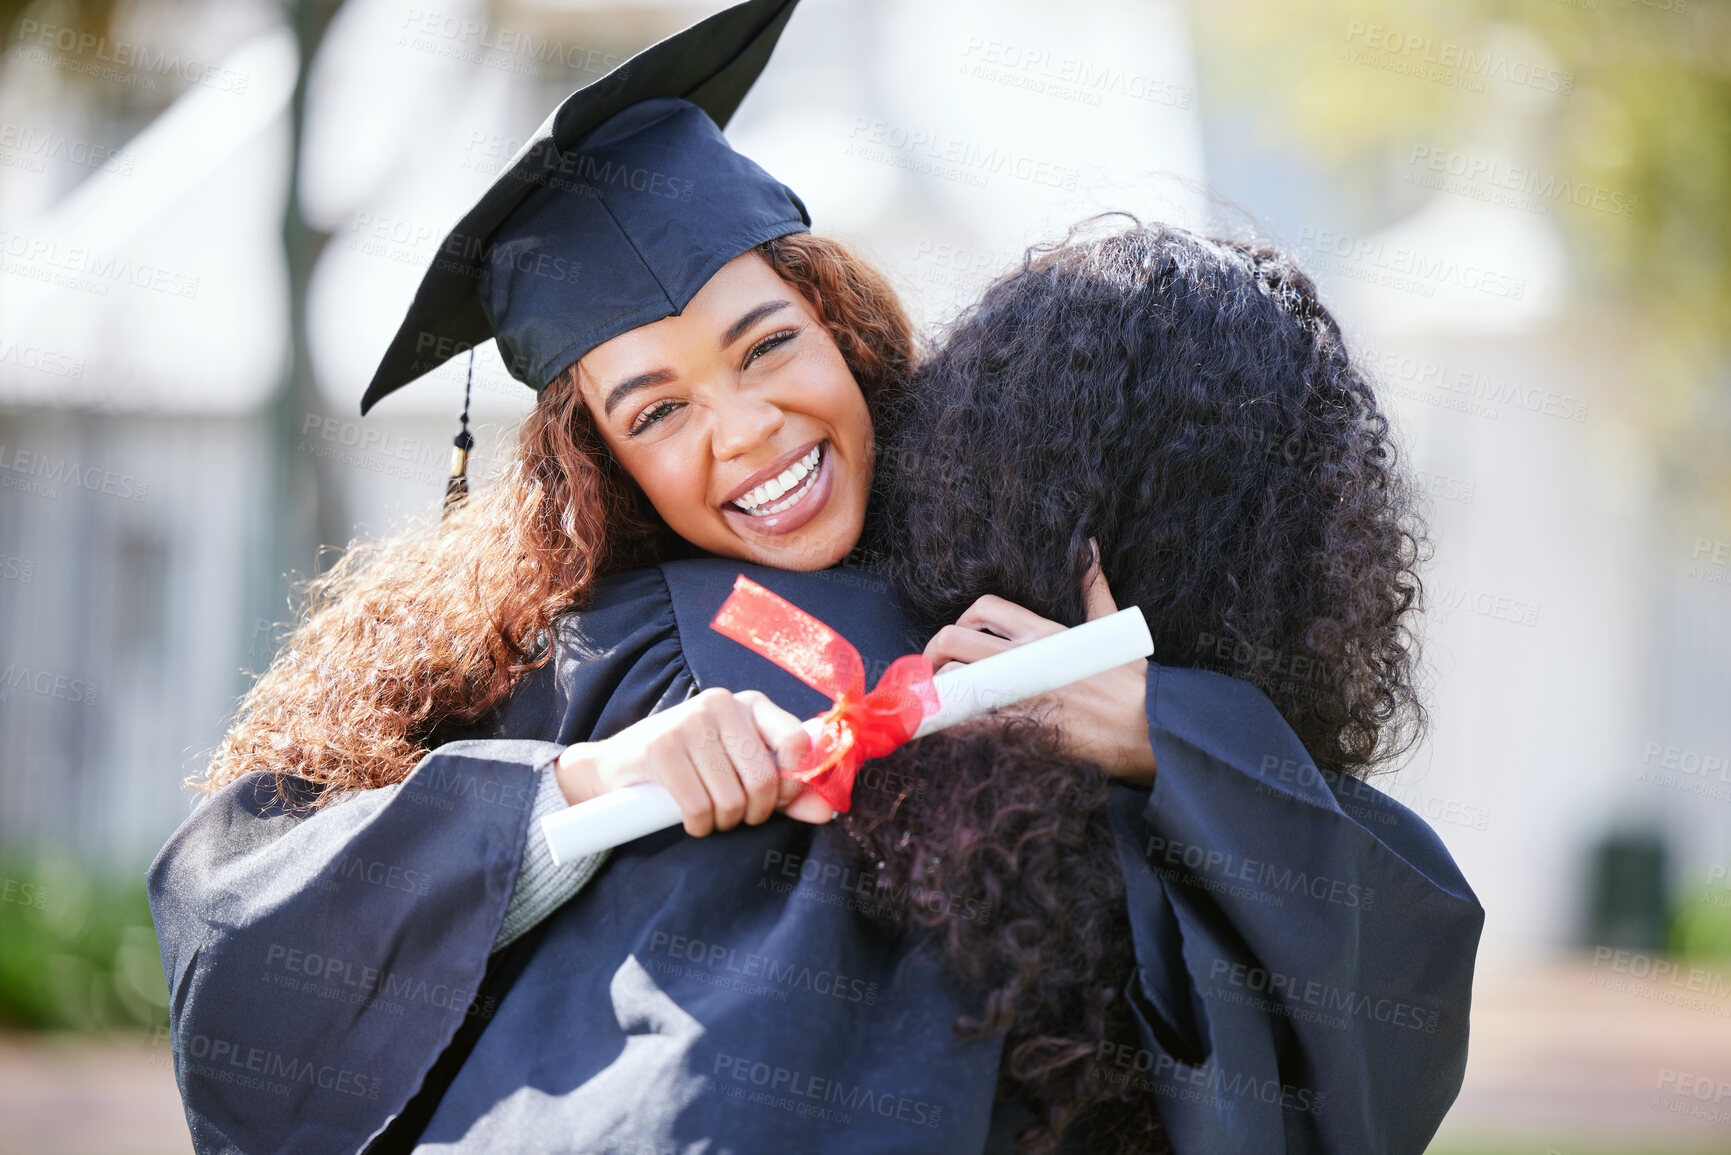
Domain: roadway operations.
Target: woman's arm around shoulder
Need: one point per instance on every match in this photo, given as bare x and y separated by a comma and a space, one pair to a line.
318, 961
1305, 943
343, 943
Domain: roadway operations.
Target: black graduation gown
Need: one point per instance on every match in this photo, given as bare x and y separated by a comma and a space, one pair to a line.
1305, 944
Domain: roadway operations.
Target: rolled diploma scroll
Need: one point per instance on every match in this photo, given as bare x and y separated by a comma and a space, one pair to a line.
965, 692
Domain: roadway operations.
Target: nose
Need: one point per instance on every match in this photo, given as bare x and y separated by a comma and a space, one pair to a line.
742, 424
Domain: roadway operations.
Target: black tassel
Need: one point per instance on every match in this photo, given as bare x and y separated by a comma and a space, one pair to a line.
457, 486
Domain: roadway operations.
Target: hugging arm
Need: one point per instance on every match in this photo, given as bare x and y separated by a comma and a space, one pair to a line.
1305, 944
320, 958
318, 962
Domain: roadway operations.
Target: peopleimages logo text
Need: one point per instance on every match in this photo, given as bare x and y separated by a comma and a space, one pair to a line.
1478, 64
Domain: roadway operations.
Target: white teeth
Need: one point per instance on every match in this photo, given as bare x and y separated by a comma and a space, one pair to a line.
792, 484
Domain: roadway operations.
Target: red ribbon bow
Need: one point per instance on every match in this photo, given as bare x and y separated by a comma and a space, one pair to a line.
859, 725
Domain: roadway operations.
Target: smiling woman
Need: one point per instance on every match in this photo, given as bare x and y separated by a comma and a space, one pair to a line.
740, 420
707, 372
417, 637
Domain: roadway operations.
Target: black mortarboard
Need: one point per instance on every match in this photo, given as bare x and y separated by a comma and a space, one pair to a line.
618, 210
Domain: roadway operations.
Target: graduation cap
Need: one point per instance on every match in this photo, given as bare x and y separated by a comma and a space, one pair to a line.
612, 216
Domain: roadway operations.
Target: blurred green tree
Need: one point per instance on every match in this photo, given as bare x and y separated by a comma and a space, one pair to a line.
77, 951
1640, 106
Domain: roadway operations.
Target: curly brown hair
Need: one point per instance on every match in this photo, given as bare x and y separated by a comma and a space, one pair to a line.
435, 626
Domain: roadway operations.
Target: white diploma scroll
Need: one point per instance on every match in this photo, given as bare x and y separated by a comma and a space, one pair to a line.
965, 692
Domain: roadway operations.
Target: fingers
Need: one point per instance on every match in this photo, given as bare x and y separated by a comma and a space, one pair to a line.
808, 806
990, 626
720, 755
719, 769
960, 644
736, 746
706, 747
1006, 619
1097, 597
667, 761
785, 744
783, 733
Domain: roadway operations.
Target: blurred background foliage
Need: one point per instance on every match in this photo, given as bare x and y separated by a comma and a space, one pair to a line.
1701, 930
80, 953
1649, 116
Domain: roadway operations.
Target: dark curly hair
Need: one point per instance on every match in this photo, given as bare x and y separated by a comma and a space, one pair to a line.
1190, 405
997, 846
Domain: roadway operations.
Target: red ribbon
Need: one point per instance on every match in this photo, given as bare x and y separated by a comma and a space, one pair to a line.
860, 725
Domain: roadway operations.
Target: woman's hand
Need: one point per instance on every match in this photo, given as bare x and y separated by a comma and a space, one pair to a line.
1102, 718
719, 754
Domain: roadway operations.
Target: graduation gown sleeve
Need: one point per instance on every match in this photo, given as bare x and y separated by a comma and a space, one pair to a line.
319, 961
1305, 944
542, 885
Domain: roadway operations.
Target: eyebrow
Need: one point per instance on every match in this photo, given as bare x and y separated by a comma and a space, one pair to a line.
737, 330
662, 376
631, 385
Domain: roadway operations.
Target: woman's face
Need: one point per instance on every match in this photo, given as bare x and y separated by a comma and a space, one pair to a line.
740, 421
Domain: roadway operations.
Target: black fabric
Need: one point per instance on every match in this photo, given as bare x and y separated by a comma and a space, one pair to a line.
655, 203
1304, 945
613, 215
403, 1134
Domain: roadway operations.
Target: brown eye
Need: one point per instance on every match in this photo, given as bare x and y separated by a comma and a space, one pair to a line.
770, 342
650, 416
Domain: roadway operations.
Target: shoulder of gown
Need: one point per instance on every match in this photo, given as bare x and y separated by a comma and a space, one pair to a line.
320, 960
1305, 944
